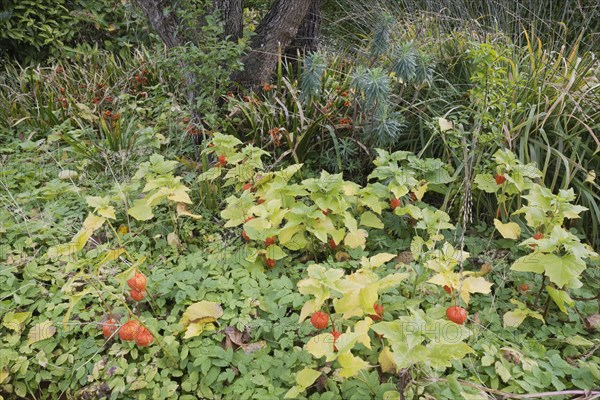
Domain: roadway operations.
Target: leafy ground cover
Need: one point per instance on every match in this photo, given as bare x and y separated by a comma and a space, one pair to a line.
224, 320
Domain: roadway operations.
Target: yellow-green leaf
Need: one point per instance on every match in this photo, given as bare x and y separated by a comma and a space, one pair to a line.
361, 329
182, 209
76, 244
307, 377
442, 354
386, 361
179, 194
308, 308
474, 285
356, 238
515, 318
275, 252
560, 298
419, 191
391, 395
173, 240
351, 365
368, 297
509, 230
138, 384
377, 260
15, 320
112, 255
93, 222
531, 263
320, 345
562, 270
590, 176
202, 311
392, 280
42, 331
348, 305
141, 211
85, 112
293, 393
579, 341
371, 220
196, 328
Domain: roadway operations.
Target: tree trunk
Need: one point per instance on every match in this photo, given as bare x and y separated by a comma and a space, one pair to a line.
163, 22
276, 31
232, 16
306, 40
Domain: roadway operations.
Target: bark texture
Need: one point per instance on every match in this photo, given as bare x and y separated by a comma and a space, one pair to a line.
164, 25
274, 33
232, 17
307, 37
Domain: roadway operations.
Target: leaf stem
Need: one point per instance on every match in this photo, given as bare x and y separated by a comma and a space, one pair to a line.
539, 293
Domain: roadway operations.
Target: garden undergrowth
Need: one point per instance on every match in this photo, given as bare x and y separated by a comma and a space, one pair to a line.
363, 228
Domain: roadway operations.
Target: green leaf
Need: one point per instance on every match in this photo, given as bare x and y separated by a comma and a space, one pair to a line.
579, 341
351, 365
275, 252
307, 377
515, 318
534, 262
368, 297
502, 371
210, 175
561, 298
442, 354
141, 211
371, 220
487, 183
562, 270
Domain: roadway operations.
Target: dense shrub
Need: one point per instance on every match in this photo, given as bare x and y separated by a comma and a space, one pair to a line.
31, 30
